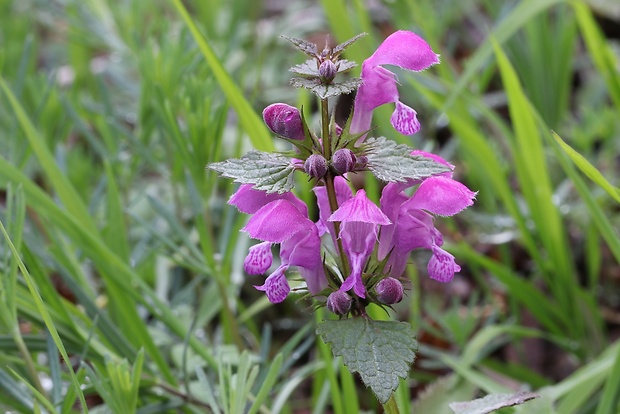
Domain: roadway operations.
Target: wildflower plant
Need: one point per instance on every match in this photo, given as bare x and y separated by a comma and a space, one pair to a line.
356, 252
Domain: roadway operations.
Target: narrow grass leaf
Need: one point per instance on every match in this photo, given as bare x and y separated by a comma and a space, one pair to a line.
250, 121
513, 21
588, 169
13, 393
67, 194
111, 265
39, 398
599, 49
535, 184
46, 317
268, 383
611, 392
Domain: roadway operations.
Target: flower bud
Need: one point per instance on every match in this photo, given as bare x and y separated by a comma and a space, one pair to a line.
343, 160
328, 70
339, 302
389, 291
316, 166
284, 120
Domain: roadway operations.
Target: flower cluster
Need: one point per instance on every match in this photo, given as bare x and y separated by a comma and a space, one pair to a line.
366, 246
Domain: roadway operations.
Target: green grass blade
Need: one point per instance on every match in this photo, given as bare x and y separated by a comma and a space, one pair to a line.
67, 194
13, 394
600, 219
535, 184
250, 122
588, 169
599, 49
46, 317
111, 266
512, 22
268, 383
611, 392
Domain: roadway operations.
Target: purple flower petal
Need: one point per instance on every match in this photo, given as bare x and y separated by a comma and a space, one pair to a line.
404, 119
360, 209
259, 259
441, 266
343, 193
277, 221
403, 49
276, 286
302, 249
442, 196
315, 278
391, 199
378, 88
406, 50
249, 201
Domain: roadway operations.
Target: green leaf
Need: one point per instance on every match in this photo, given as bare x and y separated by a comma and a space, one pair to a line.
308, 68
308, 48
393, 162
600, 50
268, 172
249, 120
380, 351
492, 402
324, 91
587, 168
344, 45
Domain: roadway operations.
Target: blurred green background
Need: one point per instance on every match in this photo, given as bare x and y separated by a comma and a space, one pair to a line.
121, 280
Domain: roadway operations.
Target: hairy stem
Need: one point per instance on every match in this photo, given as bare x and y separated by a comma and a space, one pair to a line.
329, 183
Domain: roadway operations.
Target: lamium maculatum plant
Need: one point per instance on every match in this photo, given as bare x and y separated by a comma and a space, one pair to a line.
357, 251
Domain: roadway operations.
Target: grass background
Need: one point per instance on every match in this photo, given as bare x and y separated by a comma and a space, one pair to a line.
121, 282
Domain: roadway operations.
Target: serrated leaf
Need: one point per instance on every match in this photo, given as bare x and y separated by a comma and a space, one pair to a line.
393, 162
308, 68
308, 48
268, 172
380, 351
342, 46
491, 403
345, 65
325, 91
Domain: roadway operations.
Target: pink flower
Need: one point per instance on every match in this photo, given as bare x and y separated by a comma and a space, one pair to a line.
281, 218
405, 50
360, 219
413, 225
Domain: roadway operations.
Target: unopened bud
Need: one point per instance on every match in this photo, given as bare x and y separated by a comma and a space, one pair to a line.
328, 70
389, 291
284, 120
339, 302
316, 166
343, 160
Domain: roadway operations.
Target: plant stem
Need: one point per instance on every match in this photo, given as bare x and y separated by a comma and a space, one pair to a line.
391, 407
329, 183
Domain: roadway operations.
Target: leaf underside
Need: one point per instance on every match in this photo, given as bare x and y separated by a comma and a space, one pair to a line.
392, 162
325, 91
380, 351
268, 172
492, 403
